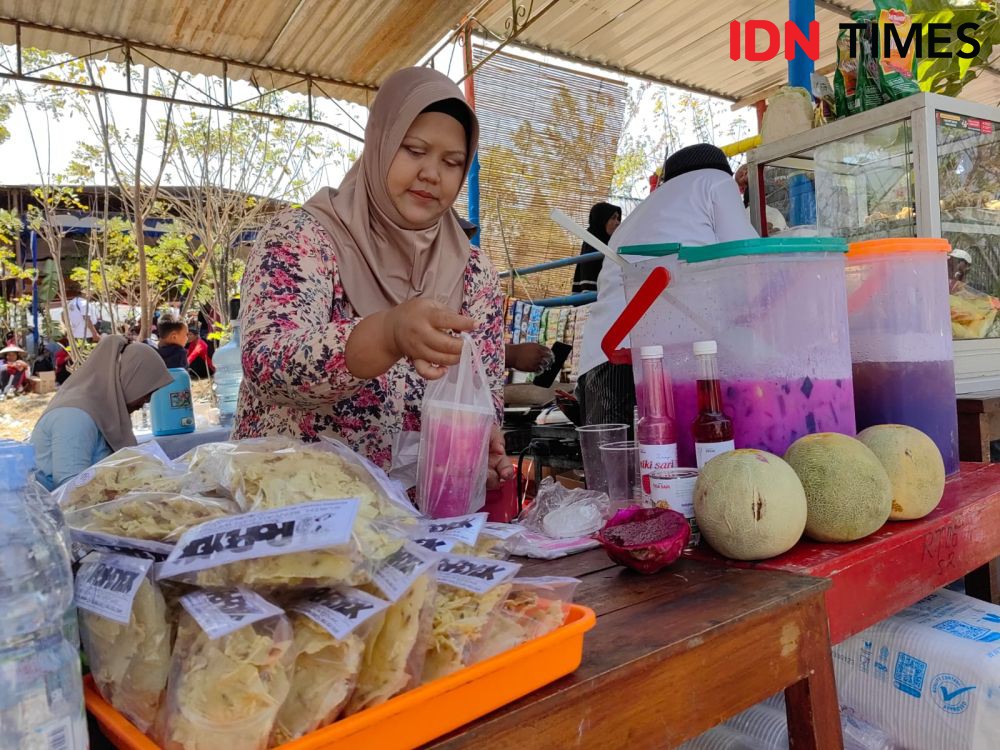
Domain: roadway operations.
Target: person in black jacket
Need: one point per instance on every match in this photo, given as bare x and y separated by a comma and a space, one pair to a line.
604, 220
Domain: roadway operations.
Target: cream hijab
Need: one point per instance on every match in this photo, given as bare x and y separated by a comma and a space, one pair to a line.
115, 374
381, 262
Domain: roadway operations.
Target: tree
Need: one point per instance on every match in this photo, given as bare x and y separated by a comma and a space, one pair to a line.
949, 74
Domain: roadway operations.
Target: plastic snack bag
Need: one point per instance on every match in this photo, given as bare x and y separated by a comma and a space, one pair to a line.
533, 608
154, 516
143, 467
305, 545
230, 672
129, 660
458, 417
470, 591
331, 628
896, 74
202, 465
394, 659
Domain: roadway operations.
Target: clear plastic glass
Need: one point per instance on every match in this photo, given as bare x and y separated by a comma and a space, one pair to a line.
592, 437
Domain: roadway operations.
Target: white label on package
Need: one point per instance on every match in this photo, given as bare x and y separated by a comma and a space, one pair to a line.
475, 574
106, 584
502, 530
340, 611
297, 528
398, 571
225, 611
440, 544
110, 543
463, 528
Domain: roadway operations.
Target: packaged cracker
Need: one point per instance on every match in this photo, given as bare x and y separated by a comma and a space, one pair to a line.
394, 659
230, 673
154, 516
143, 467
126, 632
331, 629
470, 591
533, 608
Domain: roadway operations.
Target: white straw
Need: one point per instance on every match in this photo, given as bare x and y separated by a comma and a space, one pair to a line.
573, 228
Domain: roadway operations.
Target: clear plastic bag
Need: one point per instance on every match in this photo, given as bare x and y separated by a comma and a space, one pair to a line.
202, 466
325, 675
130, 663
562, 513
226, 693
394, 659
458, 417
154, 516
142, 467
533, 608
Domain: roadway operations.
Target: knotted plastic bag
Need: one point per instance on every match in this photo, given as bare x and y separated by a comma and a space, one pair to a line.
454, 439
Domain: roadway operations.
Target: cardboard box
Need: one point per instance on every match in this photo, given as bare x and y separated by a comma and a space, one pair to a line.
43, 382
929, 675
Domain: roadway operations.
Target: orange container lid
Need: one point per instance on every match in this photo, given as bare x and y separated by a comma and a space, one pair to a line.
897, 245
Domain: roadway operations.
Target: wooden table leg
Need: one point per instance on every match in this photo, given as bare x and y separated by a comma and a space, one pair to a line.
811, 704
984, 583
974, 437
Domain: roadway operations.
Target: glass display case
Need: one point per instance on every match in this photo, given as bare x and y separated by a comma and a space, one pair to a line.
924, 166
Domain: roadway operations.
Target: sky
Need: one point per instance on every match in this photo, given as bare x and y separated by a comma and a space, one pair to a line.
55, 141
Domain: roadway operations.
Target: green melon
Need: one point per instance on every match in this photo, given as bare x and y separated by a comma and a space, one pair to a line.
749, 505
914, 465
848, 492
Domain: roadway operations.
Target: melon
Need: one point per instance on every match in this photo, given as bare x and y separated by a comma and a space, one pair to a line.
914, 465
749, 505
848, 492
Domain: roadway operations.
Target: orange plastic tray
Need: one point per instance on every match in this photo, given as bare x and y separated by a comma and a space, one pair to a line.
423, 714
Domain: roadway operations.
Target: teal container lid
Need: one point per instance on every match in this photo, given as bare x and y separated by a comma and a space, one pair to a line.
762, 246
654, 250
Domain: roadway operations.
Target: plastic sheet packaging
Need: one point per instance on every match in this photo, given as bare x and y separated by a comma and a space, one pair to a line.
533, 608
154, 516
458, 415
226, 692
307, 545
202, 464
143, 467
470, 592
394, 659
326, 670
130, 663
561, 513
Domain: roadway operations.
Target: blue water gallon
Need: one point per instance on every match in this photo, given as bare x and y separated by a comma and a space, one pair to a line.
171, 410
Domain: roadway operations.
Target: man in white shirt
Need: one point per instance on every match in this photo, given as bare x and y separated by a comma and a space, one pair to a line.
79, 309
697, 203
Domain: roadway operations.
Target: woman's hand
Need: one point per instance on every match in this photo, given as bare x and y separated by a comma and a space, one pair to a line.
500, 469
418, 329
528, 357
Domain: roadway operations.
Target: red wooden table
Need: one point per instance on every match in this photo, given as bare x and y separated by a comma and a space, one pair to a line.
906, 560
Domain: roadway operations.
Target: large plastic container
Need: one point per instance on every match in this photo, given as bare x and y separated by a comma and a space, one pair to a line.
171, 409
777, 308
900, 322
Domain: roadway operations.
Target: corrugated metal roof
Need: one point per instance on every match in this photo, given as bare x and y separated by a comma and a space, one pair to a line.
680, 42
337, 40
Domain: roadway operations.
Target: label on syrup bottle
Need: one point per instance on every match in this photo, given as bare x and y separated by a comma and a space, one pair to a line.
705, 452
653, 458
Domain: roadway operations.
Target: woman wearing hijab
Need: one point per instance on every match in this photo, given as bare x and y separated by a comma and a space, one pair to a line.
696, 203
604, 220
89, 418
350, 302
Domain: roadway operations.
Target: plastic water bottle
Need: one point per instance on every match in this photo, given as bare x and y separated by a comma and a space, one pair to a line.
41, 691
229, 370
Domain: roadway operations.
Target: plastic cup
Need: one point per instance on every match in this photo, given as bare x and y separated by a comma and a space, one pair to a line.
621, 469
592, 437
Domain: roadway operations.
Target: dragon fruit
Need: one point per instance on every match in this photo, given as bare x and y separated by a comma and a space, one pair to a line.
645, 539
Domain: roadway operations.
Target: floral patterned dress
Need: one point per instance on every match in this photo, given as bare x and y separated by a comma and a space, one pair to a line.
296, 321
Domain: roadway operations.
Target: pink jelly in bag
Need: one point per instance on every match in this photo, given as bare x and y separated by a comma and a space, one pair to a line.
458, 417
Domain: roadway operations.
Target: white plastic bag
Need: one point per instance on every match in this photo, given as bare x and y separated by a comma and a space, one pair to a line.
453, 459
